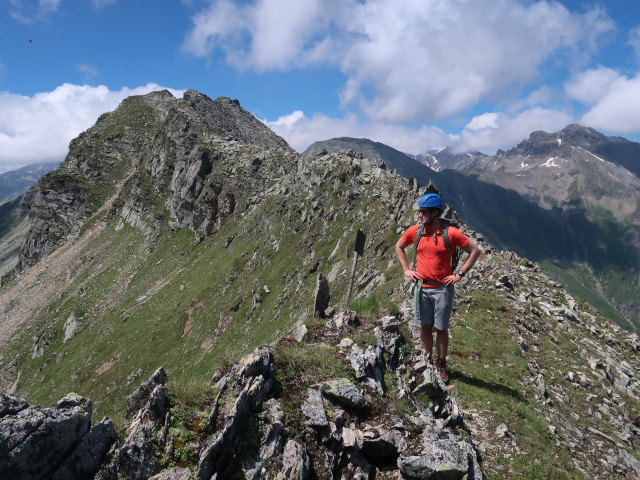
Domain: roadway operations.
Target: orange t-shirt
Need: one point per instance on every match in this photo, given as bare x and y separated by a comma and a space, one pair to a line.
432, 259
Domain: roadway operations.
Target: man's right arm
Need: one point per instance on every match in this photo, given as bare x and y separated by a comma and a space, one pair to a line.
411, 275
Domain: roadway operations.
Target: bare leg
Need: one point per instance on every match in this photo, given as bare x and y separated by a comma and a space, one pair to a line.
426, 339
442, 343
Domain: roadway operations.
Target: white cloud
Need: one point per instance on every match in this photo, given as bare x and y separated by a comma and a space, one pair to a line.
39, 128
264, 35
28, 11
49, 6
405, 60
484, 121
491, 131
90, 71
634, 41
590, 86
301, 131
102, 3
614, 99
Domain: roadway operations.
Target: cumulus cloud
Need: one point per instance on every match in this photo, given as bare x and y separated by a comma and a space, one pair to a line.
39, 128
301, 131
590, 86
613, 98
248, 35
486, 133
406, 60
490, 131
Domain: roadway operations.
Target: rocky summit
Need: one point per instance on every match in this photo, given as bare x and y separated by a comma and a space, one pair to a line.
189, 277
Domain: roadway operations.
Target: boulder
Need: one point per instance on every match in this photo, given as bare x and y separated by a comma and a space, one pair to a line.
137, 459
175, 473
86, 459
35, 440
295, 462
444, 459
10, 404
313, 410
343, 392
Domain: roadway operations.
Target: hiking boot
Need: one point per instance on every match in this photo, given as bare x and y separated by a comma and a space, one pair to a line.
441, 368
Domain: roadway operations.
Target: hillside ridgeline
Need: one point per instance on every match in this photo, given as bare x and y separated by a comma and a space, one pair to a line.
163, 242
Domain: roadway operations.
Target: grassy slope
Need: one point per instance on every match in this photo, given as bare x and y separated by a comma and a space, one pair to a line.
491, 377
167, 302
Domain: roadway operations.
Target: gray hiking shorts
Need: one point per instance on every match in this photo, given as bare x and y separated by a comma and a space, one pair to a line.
433, 306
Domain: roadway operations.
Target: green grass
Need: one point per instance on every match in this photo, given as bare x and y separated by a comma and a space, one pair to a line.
487, 367
164, 301
581, 285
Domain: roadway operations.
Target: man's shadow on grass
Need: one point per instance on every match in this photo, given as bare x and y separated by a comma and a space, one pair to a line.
492, 387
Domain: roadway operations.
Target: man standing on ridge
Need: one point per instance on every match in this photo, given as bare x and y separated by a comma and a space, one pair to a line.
433, 274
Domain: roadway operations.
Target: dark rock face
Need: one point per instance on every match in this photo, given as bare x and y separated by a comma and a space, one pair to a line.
56, 197
445, 459
227, 118
10, 404
140, 396
57, 442
86, 459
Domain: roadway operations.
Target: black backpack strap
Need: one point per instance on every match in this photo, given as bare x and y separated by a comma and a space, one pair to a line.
454, 257
445, 237
419, 235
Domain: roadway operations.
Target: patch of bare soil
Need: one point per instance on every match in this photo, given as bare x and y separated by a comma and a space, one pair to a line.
188, 324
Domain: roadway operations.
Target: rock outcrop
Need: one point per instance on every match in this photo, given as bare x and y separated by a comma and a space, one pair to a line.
337, 435
152, 137
57, 443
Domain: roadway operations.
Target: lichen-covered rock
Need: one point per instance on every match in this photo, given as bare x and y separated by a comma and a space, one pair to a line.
175, 473
35, 440
368, 366
87, 457
10, 404
295, 462
343, 392
137, 459
388, 445
140, 396
274, 430
313, 409
247, 386
444, 459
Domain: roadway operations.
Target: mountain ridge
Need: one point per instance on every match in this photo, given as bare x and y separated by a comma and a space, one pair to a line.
579, 198
14, 182
187, 249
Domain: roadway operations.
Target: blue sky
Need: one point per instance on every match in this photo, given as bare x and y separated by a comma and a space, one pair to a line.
414, 74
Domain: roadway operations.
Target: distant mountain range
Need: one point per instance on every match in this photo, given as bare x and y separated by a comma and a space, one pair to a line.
570, 200
17, 181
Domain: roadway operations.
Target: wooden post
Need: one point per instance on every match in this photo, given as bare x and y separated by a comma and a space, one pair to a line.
358, 250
